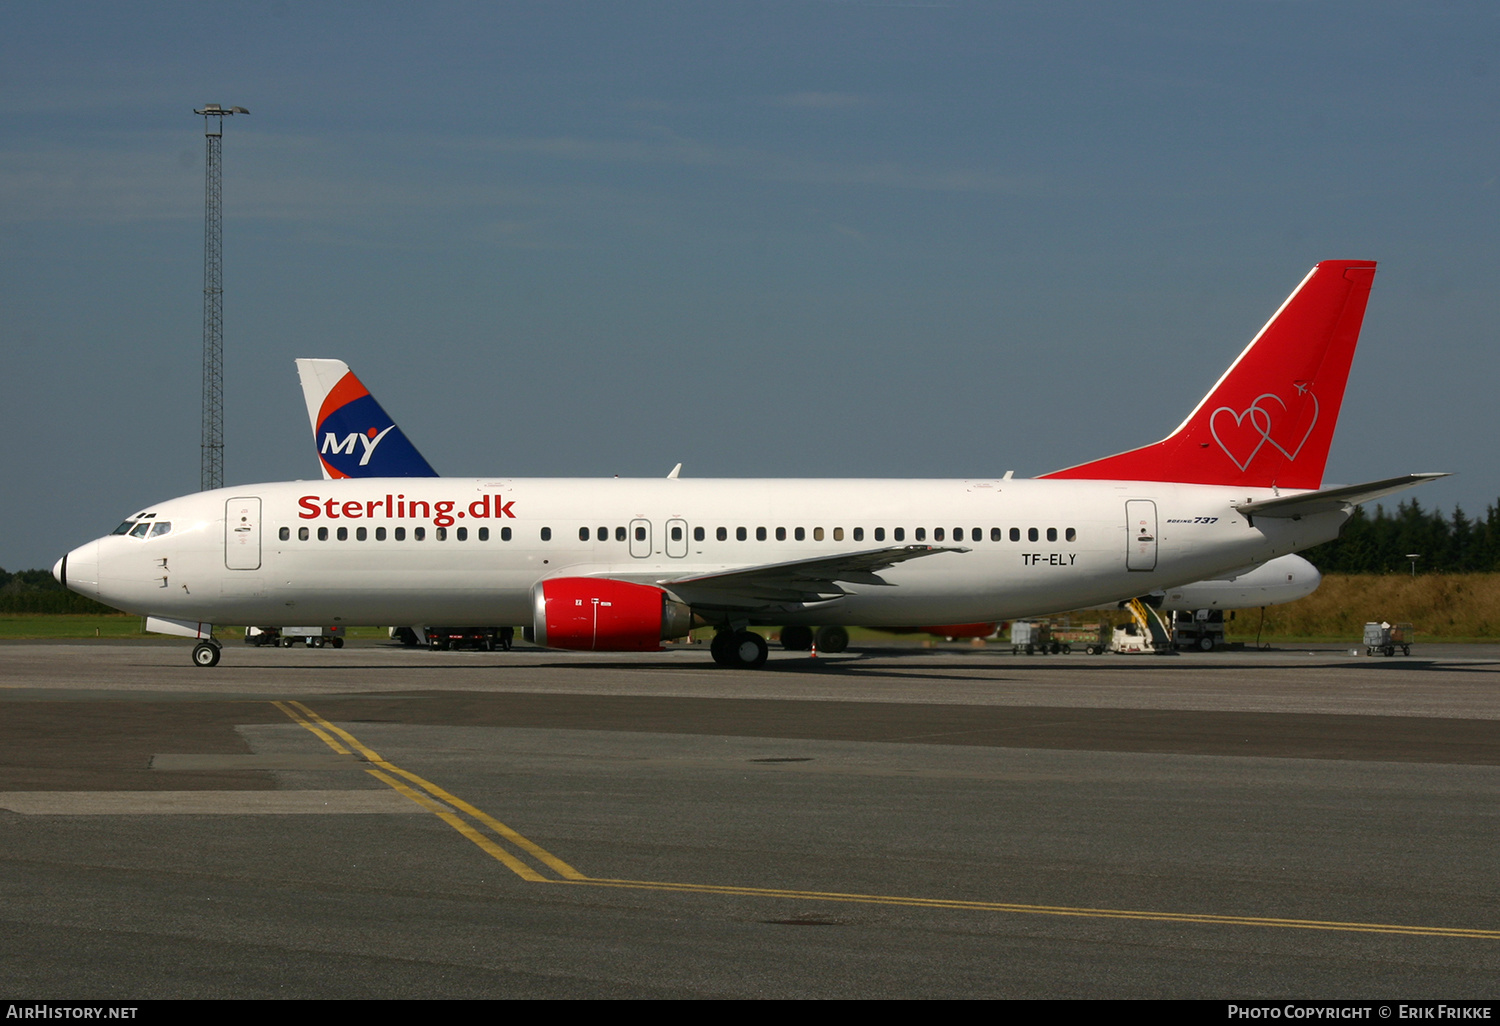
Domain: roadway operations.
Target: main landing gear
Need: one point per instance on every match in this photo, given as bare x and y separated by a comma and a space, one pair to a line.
746, 650
742, 650
797, 638
206, 653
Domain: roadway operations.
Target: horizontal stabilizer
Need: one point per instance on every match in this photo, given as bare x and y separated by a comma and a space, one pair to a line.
1331, 500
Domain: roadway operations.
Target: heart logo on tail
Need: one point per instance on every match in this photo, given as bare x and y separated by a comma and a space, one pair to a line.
1242, 434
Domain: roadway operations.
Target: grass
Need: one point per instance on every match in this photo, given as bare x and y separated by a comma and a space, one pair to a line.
1446, 607
18, 626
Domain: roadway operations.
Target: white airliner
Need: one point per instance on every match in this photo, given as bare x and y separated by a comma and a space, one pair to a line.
355, 437
621, 565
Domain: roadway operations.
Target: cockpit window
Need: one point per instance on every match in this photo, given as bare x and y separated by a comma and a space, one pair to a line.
124, 528
162, 527
140, 530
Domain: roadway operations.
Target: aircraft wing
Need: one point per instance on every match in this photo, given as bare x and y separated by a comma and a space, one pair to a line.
1331, 500
798, 581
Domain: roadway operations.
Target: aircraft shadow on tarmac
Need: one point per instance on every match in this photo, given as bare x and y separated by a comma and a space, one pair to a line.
879, 663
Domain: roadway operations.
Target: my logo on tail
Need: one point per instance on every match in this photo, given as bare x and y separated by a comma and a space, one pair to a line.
369, 439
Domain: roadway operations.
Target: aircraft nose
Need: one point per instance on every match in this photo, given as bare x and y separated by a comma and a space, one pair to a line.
79, 570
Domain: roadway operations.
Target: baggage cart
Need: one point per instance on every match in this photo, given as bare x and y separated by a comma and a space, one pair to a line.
1385, 638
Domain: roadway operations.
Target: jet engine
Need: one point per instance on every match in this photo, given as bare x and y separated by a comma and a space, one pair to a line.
597, 614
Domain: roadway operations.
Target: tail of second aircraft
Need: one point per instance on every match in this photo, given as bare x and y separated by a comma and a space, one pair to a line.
1269, 420
354, 436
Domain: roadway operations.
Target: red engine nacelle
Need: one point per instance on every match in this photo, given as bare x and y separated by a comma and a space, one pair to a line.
597, 614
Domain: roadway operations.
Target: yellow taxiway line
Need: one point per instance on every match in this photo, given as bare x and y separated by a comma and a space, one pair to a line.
447, 807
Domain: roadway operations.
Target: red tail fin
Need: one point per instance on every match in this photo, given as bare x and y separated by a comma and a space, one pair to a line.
1270, 419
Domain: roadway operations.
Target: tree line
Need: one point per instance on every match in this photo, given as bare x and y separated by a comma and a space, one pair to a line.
1380, 543
37, 591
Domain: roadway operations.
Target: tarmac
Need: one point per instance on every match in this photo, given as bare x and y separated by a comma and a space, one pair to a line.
914, 822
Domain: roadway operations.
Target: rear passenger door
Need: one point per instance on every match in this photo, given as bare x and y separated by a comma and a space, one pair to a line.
1140, 527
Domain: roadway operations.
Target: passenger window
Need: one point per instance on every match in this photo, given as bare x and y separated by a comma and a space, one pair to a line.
677, 534
380, 533
602, 534
484, 534
800, 534
420, 534
322, 534
697, 534
463, 534
859, 534
899, 534
1052, 534
583, 534
141, 530
781, 534
1072, 535
344, 533
1015, 534
1031, 534
400, 533
546, 533
937, 534
722, 534
361, 534
977, 534
505, 534
285, 534
760, 534
619, 534
817, 534
920, 534
640, 534
302, 534
996, 534
880, 534
838, 534
441, 534
740, 534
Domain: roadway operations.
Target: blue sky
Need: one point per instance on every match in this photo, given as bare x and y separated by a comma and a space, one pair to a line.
763, 239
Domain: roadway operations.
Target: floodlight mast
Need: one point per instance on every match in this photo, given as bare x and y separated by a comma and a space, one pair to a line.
211, 474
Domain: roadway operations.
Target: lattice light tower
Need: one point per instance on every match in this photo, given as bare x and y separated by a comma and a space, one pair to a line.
212, 472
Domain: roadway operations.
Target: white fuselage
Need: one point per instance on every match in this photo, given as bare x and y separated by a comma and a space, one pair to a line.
349, 551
